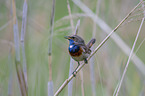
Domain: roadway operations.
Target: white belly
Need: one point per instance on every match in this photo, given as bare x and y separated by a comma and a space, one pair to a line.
81, 57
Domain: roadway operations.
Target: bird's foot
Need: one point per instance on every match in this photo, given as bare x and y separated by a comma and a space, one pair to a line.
86, 61
74, 73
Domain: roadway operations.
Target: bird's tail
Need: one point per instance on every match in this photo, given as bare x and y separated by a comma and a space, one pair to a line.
92, 41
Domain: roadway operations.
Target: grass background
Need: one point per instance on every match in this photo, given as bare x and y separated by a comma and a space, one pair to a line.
109, 60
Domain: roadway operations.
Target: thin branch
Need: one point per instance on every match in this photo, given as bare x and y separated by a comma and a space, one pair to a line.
132, 20
5, 25
119, 42
139, 47
65, 19
62, 29
114, 30
139, 9
70, 15
132, 57
77, 26
99, 46
129, 58
136, 15
115, 89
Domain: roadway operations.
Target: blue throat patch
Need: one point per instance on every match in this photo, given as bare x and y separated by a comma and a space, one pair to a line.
72, 47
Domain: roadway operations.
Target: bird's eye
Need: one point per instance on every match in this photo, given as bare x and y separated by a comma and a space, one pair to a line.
73, 37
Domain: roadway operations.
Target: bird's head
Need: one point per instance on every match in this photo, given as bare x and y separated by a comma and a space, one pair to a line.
74, 38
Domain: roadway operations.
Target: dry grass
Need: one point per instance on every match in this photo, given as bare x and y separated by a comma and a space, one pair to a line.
108, 63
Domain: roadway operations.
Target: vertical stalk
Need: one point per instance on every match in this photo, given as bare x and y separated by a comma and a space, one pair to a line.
50, 82
23, 30
82, 82
50, 41
70, 84
19, 69
92, 60
10, 73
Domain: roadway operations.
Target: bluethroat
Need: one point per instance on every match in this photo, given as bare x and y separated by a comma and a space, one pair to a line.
78, 50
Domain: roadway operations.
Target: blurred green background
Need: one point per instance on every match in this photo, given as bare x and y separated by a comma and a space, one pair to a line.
109, 61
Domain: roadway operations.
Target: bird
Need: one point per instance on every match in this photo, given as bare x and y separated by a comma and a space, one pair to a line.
78, 50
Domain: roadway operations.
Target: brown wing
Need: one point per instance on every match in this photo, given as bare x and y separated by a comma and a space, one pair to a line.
86, 49
92, 41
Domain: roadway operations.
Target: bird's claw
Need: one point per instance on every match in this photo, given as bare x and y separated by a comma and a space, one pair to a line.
74, 73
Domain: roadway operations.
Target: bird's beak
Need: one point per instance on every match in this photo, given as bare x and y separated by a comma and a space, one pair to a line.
67, 37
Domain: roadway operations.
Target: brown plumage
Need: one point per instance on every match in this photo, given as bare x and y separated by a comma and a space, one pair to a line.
78, 50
